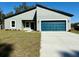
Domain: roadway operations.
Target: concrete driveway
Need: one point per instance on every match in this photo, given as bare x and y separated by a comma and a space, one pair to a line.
59, 44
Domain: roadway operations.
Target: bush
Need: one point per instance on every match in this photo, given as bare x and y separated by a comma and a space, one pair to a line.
76, 28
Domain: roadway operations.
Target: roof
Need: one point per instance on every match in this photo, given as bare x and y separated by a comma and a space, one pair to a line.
55, 10
20, 12
37, 5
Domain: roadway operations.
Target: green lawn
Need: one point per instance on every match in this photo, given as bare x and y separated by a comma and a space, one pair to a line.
22, 44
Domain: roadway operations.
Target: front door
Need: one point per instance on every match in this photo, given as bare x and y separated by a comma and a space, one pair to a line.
32, 25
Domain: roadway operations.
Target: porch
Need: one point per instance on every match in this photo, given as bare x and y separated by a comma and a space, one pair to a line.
29, 25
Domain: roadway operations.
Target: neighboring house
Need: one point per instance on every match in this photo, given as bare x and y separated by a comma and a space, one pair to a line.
40, 18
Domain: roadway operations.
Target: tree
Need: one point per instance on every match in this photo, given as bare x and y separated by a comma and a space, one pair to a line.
25, 6
9, 14
75, 26
22, 7
17, 9
2, 16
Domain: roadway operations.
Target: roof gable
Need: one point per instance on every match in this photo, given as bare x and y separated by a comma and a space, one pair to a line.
21, 12
58, 11
55, 10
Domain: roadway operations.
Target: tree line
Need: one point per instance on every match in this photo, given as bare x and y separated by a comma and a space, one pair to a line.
17, 9
75, 26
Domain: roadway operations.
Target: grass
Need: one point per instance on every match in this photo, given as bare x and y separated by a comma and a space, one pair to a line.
24, 44
75, 31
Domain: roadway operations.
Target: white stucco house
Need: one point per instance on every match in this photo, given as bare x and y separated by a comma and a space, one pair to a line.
39, 18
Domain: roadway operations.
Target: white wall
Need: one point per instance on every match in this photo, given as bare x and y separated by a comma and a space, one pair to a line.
47, 15
18, 19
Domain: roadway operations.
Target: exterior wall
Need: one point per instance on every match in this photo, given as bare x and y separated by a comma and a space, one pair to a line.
69, 23
47, 15
42, 15
18, 19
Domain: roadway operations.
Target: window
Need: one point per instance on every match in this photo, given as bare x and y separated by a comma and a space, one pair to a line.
27, 24
13, 23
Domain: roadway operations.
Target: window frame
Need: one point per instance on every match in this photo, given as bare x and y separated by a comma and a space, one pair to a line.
14, 24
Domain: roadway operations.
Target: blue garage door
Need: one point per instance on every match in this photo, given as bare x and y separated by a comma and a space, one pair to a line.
53, 25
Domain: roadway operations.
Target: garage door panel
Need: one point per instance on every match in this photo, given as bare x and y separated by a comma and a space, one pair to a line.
53, 26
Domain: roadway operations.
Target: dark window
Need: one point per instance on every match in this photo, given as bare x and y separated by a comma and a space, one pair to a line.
13, 23
27, 24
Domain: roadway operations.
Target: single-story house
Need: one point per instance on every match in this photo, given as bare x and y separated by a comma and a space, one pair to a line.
39, 18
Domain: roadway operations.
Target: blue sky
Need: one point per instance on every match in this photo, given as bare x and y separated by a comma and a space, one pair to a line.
70, 7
